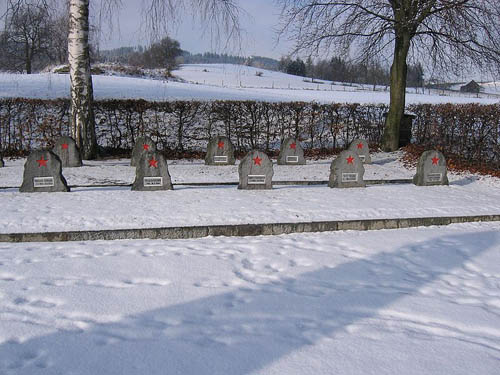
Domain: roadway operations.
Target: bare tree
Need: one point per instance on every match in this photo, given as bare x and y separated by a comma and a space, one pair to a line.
452, 34
27, 33
220, 13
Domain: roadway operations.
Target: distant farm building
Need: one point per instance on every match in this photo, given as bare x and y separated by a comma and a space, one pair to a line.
472, 87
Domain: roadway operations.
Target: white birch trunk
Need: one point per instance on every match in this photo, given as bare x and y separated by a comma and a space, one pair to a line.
82, 94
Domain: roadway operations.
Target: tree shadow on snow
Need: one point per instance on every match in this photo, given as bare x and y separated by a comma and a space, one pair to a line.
242, 331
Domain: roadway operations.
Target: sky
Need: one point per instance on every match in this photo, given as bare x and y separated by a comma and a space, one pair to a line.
259, 20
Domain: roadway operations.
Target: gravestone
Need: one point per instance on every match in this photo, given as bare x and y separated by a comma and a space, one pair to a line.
151, 173
431, 169
2, 164
220, 151
43, 173
361, 147
347, 171
256, 171
291, 153
142, 145
67, 150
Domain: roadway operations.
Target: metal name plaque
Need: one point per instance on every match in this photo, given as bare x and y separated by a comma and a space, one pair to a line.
349, 177
434, 177
41, 182
292, 159
153, 181
220, 159
362, 157
256, 179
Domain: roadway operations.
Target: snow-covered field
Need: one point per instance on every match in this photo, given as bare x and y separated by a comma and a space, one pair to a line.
120, 208
412, 301
215, 81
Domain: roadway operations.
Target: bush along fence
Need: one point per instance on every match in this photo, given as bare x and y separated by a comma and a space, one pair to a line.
470, 130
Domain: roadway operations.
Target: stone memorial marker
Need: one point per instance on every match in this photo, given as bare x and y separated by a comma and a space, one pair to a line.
291, 153
347, 171
68, 152
151, 173
43, 173
361, 147
2, 164
142, 145
431, 169
256, 171
220, 151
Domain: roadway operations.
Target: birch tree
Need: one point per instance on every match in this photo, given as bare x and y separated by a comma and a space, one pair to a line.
81, 89
220, 15
451, 34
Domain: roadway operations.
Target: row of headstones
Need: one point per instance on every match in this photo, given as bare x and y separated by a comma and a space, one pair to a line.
43, 169
347, 170
67, 151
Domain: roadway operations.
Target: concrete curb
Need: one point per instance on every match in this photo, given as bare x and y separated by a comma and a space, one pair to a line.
241, 229
232, 183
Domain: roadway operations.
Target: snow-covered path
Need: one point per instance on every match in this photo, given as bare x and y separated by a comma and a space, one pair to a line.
414, 301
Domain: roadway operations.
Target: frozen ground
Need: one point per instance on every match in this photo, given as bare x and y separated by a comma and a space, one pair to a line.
120, 208
216, 81
414, 301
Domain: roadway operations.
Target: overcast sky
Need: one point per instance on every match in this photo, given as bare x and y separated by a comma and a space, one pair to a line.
259, 20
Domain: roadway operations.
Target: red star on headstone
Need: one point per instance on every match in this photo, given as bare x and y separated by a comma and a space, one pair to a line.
64, 146
293, 146
145, 146
220, 144
435, 160
42, 162
257, 160
350, 160
153, 163
360, 145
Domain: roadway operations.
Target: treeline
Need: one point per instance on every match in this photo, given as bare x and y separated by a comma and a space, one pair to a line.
132, 56
33, 36
338, 69
471, 132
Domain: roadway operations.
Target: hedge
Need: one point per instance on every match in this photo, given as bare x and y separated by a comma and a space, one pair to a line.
469, 130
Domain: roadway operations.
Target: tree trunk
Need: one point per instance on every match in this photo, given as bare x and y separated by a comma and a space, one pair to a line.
82, 95
390, 140
27, 58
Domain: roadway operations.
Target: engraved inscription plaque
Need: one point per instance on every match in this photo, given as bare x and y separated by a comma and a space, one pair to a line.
220, 159
153, 181
434, 177
40, 182
292, 159
256, 179
349, 177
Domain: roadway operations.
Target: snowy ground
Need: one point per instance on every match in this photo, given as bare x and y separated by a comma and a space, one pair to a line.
120, 208
219, 81
413, 301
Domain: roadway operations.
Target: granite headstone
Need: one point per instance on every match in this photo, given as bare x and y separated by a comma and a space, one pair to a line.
220, 151
69, 153
431, 169
43, 173
291, 153
347, 171
361, 147
256, 171
2, 164
151, 173
142, 145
